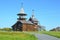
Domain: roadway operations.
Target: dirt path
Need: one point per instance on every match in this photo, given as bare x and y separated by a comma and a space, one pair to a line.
45, 37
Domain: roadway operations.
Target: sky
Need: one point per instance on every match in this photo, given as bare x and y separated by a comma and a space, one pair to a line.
46, 11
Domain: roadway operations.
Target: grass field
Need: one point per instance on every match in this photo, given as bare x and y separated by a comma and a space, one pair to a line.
52, 33
16, 36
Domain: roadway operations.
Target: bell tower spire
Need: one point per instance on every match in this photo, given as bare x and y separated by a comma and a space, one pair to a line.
22, 9
22, 13
32, 13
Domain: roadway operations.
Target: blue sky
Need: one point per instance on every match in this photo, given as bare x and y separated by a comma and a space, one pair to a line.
46, 11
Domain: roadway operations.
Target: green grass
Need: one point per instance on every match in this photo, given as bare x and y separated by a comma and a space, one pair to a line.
52, 33
16, 36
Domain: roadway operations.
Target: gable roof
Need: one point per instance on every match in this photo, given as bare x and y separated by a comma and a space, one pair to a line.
27, 22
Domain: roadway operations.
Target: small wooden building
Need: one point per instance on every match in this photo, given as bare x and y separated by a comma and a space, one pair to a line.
23, 25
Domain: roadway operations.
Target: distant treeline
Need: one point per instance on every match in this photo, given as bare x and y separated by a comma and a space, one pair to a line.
55, 29
5, 29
